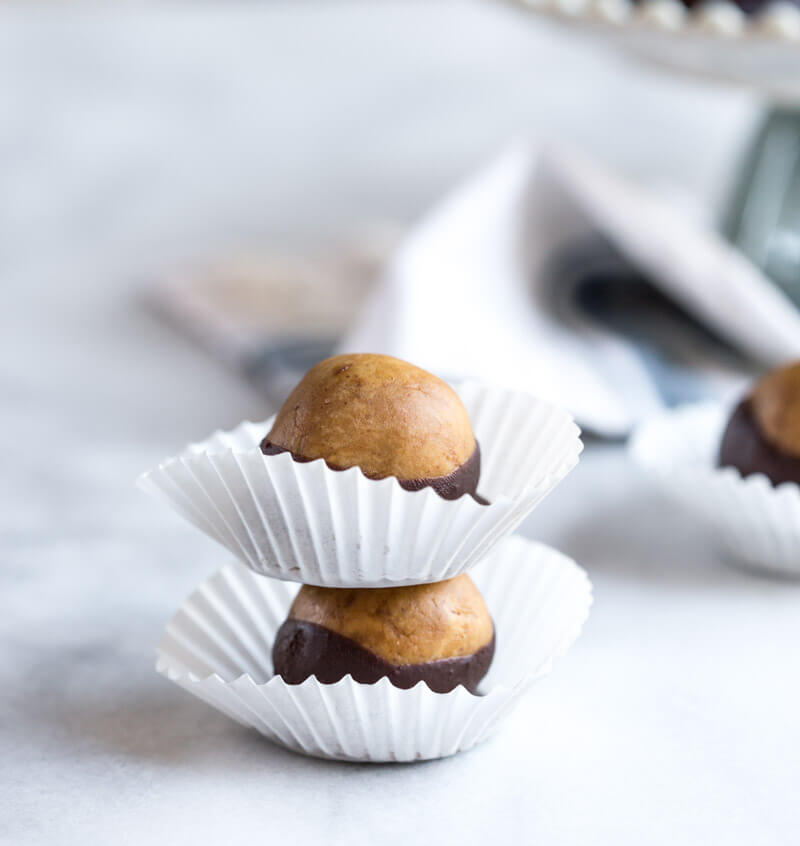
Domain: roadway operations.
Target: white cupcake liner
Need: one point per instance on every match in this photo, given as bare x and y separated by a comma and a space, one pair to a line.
305, 522
219, 647
757, 523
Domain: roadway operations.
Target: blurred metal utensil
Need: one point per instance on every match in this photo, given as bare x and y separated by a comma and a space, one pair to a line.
763, 219
276, 368
272, 315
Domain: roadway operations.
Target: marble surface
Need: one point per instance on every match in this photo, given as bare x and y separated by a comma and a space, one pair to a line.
132, 140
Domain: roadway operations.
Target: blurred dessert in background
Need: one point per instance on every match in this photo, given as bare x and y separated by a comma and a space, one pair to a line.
749, 7
763, 434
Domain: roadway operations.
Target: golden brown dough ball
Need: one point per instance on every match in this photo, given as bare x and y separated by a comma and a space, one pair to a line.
439, 633
383, 415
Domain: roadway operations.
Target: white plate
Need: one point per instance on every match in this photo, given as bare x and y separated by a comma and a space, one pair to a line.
717, 41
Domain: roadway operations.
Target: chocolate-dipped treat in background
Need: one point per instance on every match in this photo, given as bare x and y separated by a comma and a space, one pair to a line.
439, 633
385, 416
749, 7
763, 434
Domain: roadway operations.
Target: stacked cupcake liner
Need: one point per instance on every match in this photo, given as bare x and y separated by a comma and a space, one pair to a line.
756, 523
303, 522
219, 648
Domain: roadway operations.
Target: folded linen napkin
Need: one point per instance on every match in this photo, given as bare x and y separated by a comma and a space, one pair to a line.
492, 285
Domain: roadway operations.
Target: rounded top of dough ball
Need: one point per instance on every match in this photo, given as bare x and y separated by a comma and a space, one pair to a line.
378, 413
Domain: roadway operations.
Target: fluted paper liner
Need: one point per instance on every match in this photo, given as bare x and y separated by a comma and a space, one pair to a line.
305, 522
757, 522
219, 647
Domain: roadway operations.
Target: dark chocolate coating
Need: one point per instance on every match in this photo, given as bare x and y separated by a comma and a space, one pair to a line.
463, 480
305, 649
745, 448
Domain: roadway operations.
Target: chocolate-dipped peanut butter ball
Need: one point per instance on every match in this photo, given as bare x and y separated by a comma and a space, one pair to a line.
763, 434
440, 633
385, 416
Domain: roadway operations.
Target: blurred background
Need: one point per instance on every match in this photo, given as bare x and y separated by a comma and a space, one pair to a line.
139, 142
193, 201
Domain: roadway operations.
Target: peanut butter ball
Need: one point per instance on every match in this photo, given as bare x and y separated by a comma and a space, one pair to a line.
763, 434
440, 633
383, 415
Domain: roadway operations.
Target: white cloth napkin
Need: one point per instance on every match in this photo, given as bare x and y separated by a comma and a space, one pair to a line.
465, 297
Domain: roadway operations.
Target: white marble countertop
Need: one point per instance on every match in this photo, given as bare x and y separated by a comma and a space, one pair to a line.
135, 139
